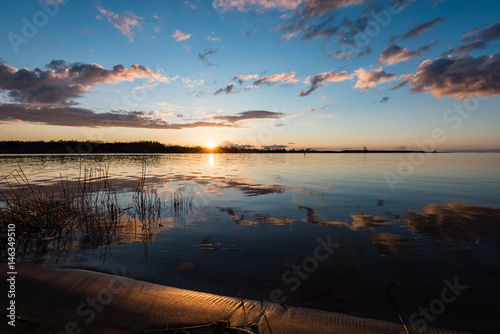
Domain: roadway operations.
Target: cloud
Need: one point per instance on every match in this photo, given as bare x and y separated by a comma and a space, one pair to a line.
325, 106
180, 36
417, 30
314, 8
63, 81
126, 24
394, 54
477, 39
348, 32
191, 83
190, 4
246, 34
384, 99
402, 83
288, 35
273, 147
465, 49
318, 80
369, 79
259, 5
316, 19
213, 39
341, 55
488, 34
310, 8
460, 77
286, 78
275, 78
81, 117
227, 143
305, 10
250, 115
226, 90
241, 78
204, 56
328, 29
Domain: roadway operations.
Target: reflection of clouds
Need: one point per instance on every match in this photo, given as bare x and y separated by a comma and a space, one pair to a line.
247, 218
212, 189
274, 220
312, 217
390, 243
222, 182
132, 230
450, 224
126, 181
163, 188
453, 223
185, 266
362, 220
257, 189
208, 243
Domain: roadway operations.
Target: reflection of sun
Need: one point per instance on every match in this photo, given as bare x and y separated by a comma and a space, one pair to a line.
210, 145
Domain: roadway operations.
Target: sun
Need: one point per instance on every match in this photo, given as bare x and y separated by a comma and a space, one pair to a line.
210, 145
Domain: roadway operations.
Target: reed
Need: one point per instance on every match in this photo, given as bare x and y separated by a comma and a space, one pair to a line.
180, 204
78, 214
81, 216
147, 203
147, 206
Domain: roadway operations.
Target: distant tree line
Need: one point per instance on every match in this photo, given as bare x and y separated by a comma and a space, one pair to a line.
81, 147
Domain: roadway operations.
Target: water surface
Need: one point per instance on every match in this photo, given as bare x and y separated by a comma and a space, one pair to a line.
253, 218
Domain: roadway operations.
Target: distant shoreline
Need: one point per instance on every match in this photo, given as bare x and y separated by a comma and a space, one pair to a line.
84, 147
151, 147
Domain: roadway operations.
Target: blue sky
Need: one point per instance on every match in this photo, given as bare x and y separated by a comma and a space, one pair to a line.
325, 74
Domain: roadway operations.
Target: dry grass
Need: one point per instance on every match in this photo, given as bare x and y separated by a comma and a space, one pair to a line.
73, 216
81, 217
78, 214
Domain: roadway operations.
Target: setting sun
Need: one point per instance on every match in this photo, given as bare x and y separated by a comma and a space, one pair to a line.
210, 145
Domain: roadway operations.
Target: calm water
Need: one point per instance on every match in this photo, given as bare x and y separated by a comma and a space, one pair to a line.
253, 218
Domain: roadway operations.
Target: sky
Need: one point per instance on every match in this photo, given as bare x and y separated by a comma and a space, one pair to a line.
321, 74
